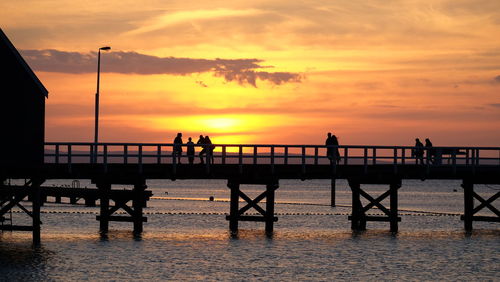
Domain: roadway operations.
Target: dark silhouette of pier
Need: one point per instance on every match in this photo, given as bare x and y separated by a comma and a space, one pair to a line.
107, 164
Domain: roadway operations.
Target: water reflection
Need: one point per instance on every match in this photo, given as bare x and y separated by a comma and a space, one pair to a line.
20, 261
250, 234
120, 235
217, 254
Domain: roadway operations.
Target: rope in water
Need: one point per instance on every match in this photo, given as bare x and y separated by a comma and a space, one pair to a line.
221, 213
310, 204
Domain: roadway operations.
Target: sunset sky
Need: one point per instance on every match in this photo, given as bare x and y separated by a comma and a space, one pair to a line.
282, 72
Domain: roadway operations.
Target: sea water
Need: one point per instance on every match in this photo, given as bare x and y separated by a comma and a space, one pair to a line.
187, 238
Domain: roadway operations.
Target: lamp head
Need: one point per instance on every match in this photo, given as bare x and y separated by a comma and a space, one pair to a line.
106, 48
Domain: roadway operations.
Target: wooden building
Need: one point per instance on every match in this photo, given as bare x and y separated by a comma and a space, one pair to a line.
22, 114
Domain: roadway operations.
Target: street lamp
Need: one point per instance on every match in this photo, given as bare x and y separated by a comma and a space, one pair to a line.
96, 129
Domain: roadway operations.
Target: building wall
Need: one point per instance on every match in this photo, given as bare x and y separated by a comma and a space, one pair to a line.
22, 114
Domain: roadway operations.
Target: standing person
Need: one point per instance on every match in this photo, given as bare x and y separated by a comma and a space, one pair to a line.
177, 148
201, 142
190, 151
430, 150
329, 151
210, 149
336, 154
418, 152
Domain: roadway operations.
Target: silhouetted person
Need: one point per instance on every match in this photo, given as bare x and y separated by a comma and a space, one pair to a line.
177, 147
210, 149
336, 154
430, 150
190, 151
201, 142
329, 151
418, 152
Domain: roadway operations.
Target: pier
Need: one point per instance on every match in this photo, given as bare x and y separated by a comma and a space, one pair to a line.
108, 164
24, 154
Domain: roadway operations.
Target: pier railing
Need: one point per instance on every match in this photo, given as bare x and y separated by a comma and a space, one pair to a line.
240, 154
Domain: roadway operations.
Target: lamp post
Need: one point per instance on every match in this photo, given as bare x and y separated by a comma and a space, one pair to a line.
96, 128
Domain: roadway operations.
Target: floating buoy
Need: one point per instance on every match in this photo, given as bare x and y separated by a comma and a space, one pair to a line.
211, 198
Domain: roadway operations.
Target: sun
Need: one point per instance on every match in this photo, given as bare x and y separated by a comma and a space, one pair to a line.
215, 125
222, 124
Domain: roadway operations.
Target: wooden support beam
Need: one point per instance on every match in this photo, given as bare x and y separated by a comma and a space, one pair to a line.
137, 204
13, 202
32, 189
252, 203
269, 214
114, 208
469, 195
25, 210
89, 201
138, 196
236, 214
233, 209
377, 200
35, 192
359, 218
358, 221
486, 203
468, 204
104, 190
393, 216
354, 217
374, 202
122, 204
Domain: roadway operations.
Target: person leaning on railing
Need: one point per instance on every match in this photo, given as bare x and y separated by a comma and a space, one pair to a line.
201, 142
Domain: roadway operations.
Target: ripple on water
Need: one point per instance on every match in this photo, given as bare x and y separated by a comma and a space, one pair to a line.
311, 242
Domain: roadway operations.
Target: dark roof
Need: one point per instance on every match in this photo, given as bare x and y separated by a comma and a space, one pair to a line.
4, 40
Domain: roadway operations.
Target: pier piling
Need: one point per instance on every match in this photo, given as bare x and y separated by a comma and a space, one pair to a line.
358, 221
35, 214
234, 206
468, 204
104, 205
137, 204
470, 210
270, 188
358, 216
394, 206
236, 214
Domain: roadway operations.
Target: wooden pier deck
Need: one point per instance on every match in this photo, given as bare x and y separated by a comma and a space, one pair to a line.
133, 163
